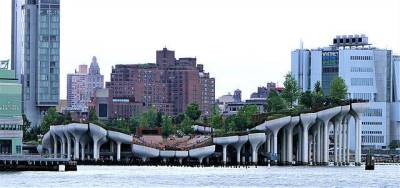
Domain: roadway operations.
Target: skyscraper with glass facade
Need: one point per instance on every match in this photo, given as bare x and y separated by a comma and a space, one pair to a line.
40, 56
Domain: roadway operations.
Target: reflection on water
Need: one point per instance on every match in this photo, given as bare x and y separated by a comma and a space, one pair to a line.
135, 176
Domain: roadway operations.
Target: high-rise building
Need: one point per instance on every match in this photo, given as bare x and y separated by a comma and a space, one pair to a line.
169, 86
81, 86
36, 54
367, 72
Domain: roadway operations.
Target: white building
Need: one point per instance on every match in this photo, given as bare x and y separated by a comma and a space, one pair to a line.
368, 74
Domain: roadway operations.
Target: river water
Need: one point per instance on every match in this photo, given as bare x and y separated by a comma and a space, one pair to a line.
149, 176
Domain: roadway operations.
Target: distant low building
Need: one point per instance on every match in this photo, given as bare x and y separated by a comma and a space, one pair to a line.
234, 107
10, 114
262, 92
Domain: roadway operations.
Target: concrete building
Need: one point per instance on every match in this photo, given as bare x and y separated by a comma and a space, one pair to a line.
262, 92
237, 95
169, 85
81, 86
36, 54
10, 114
368, 73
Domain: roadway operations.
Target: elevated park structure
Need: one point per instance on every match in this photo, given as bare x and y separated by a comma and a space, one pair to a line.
313, 138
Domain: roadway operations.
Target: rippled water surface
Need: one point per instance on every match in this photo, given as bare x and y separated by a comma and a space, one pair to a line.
134, 176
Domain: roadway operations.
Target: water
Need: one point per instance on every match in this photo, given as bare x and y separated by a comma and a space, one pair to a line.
135, 176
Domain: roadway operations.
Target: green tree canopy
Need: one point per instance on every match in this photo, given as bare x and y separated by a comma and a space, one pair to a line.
275, 102
291, 92
167, 127
243, 118
193, 111
216, 118
93, 116
50, 118
306, 99
338, 89
317, 89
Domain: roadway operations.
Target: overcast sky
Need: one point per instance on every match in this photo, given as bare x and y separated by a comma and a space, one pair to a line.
243, 44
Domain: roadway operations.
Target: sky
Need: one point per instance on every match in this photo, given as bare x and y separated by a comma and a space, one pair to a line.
243, 44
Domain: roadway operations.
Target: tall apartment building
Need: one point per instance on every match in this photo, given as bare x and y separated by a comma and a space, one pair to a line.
81, 86
36, 54
169, 86
368, 74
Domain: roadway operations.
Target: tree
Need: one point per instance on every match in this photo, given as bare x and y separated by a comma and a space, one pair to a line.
178, 118
317, 89
149, 118
193, 112
159, 119
167, 126
67, 118
338, 89
93, 116
275, 102
291, 92
186, 125
306, 99
216, 118
51, 118
243, 118
26, 125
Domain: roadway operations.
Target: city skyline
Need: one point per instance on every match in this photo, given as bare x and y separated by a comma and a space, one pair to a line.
252, 50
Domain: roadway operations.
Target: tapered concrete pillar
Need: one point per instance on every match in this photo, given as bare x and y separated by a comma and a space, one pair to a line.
325, 116
314, 149
84, 141
344, 143
55, 141
319, 144
256, 140
335, 143
224, 142
77, 130
238, 146
276, 125
98, 134
356, 110
347, 141
201, 153
68, 139
337, 122
306, 120
289, 129
284, 145
58, 131
119, 138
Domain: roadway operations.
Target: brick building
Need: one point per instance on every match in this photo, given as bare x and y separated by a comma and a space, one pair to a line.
169, 86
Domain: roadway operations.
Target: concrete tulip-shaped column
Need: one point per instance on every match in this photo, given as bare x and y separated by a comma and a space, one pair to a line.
145, 152
166, 154
119, 138
306, 120
58, 130
98, 135
46, 142
337, 122
275, 125
85, 139
238, 146
77, 130
325, 116
356, 110
69, 140
201, 153
224, 142
55, 141
181, 154
256, 140
289, 129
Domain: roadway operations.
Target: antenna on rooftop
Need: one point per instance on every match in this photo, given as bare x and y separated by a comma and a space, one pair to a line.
301, 44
